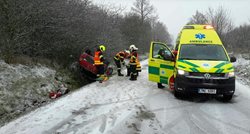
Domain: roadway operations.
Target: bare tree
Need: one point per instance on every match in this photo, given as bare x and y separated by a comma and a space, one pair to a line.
238, 39
198, 18
160, 33
220, 20
143, 9
59, 28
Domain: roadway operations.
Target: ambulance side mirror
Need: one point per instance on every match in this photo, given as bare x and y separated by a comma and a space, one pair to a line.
232, 59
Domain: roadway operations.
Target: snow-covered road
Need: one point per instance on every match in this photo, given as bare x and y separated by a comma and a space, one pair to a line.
120, 106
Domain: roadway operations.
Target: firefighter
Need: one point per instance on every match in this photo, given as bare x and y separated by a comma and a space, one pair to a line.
98, 61
119, 59
138, 67
133, 62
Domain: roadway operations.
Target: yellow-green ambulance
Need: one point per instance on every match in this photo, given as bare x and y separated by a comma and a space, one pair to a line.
199, 64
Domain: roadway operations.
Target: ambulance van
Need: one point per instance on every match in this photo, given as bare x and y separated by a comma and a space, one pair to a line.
199, 64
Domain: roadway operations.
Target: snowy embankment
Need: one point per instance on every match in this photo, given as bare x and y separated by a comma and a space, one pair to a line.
242, 69
120, 106
23, 88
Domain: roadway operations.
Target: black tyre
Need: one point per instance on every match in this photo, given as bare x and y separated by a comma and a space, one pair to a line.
227, 97
177, 94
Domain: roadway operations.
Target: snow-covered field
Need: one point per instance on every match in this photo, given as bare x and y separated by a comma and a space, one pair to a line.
24, 88
120, 106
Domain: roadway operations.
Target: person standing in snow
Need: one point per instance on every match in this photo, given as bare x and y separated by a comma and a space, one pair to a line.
119, 59
98, 61
160, 55
133, 62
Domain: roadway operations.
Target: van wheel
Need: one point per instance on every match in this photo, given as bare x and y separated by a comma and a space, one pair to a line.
177, 94
227, 97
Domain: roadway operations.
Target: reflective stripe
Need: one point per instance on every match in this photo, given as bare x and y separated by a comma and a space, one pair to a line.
119, 56
219, 71
187, 62
221, 64
98, 63
133, 59
97, 58
115, 58
132, 63
230, 68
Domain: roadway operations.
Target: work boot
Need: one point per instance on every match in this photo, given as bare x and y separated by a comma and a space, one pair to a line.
135, 76
119, 73
132, 78
160, 85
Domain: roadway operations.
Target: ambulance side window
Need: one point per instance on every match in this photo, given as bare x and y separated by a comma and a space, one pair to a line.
157, 50
161, 52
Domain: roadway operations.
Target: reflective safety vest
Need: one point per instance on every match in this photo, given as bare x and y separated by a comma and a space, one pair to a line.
133, 58
138, 64
98, 57
120, 56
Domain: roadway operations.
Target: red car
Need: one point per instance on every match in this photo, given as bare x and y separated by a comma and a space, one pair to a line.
88, 69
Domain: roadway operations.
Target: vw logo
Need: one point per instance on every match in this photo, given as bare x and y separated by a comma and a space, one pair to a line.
207, 76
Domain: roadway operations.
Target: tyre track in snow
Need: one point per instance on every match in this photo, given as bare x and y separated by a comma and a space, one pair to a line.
134, 99
143, 116
197, 119
93, 106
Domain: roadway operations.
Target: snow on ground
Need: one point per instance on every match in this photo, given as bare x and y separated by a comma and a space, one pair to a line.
120, 106
242, 69
23, 87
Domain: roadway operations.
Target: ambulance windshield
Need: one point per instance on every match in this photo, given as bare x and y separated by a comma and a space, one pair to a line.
202, 52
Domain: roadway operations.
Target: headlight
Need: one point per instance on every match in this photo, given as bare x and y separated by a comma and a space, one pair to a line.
182, 72
230, 74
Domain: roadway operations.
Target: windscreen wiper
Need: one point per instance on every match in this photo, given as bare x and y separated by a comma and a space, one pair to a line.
187, 59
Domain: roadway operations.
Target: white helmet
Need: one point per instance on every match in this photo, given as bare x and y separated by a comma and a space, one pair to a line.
132, 47
127, 51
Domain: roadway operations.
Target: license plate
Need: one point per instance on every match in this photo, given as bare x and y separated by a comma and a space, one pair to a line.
207, 91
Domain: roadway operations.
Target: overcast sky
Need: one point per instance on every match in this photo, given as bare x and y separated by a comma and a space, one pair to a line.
176, 13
